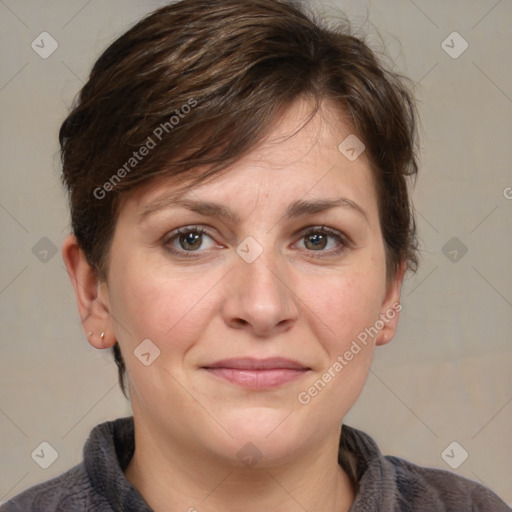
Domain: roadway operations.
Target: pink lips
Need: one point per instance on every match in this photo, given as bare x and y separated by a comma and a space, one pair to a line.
257, 373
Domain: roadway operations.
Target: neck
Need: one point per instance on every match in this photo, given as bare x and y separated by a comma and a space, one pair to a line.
171, 480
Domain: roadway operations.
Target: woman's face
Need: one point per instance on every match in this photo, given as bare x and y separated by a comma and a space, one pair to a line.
263, 293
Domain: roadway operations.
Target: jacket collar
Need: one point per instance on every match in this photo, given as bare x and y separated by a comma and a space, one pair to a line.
111, 445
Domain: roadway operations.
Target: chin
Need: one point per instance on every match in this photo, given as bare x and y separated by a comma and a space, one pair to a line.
264, 436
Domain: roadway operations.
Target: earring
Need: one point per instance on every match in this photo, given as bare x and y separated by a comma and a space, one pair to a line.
102, 335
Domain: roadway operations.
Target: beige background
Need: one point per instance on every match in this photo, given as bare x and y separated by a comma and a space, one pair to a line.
446, 377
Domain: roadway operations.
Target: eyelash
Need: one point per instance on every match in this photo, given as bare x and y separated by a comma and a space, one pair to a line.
345, 243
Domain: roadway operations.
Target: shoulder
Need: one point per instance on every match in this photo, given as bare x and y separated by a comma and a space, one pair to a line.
388, 483
69, 492
452, 491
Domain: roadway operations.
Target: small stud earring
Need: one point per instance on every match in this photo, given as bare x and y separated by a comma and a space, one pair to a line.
102, 335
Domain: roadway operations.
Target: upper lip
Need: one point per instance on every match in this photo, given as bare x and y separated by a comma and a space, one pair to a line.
272, 363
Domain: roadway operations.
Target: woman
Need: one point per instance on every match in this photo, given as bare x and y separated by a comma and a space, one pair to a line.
237, 178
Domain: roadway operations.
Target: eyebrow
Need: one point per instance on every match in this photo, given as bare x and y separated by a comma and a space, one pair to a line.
211, 209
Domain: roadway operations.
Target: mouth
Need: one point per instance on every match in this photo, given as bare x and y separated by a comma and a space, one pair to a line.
257, 373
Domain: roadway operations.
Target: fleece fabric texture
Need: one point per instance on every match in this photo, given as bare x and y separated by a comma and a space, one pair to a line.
384, 483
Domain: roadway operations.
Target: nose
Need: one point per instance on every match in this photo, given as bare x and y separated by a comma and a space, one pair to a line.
259, 296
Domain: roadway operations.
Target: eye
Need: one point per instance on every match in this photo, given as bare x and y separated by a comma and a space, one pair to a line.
317, 239
186, 240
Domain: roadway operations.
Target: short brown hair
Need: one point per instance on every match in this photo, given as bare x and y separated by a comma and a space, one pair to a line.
198, 83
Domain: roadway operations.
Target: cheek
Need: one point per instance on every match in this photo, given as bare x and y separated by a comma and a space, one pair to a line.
168, 309
347, 306
172, 312
342, 316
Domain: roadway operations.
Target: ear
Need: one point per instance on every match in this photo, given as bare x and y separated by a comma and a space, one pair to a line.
391, 307
91, 295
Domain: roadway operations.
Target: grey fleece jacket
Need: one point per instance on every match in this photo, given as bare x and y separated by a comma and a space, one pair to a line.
384, 483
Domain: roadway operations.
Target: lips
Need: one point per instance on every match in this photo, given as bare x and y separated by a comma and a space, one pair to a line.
273, 363
257, 373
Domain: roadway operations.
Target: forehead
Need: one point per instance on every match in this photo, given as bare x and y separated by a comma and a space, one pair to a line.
299, 157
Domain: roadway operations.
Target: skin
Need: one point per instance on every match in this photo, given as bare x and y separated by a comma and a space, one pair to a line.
190, 424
